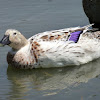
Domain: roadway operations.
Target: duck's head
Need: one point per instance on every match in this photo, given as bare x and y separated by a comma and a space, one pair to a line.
14, 39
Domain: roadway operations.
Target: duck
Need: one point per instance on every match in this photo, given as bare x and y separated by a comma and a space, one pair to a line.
57, 48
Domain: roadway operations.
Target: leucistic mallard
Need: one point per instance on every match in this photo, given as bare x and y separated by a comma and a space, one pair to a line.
57, 48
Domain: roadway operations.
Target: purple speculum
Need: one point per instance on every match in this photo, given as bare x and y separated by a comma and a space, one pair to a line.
75, 36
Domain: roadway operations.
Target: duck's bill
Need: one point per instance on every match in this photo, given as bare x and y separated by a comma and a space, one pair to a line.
5, 41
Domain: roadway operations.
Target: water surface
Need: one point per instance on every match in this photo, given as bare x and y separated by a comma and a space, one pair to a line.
34, 16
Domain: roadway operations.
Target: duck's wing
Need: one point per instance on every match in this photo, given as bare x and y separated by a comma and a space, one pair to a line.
60, 53
70, 34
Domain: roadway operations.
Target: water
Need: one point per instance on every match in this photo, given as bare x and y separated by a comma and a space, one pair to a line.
31, 17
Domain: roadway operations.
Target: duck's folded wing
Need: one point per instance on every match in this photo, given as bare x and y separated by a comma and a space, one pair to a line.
61, 54
62, 49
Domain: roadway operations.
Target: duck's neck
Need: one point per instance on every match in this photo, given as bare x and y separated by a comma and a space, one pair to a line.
20, 45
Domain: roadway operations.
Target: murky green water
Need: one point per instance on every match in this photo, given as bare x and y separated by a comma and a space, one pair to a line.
31, 17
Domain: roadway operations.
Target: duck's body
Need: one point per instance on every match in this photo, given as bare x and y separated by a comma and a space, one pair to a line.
57, 49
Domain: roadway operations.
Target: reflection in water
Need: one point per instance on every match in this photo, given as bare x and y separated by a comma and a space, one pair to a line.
92, 10
50, 81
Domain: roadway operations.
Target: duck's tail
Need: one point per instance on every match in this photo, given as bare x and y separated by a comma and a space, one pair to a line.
86, 28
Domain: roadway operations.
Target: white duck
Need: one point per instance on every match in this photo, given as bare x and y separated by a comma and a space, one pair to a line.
57, 48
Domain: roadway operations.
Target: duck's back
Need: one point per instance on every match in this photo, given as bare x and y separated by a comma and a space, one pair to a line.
61, 34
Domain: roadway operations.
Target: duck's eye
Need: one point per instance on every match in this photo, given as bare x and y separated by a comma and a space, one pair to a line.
14, 33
